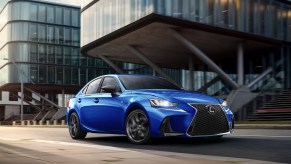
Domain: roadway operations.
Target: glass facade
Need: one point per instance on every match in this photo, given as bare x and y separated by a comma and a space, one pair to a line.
44, 41
268, 18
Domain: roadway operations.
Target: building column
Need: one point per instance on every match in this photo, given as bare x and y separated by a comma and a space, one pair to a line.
157, 69
203, 57
191, 69
240, 64
111, 64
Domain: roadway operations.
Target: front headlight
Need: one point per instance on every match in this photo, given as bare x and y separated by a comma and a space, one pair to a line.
161, 103
224, 105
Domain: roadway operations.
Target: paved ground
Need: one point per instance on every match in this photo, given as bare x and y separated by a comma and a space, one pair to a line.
53, 145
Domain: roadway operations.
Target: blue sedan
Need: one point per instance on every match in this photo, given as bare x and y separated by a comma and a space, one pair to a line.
145, 107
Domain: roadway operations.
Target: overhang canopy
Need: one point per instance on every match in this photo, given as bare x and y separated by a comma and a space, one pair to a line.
151, 35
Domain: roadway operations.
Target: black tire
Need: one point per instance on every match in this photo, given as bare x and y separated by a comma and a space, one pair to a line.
74, 127
137, 127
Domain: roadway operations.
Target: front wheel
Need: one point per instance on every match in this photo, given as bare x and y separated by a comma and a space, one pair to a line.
137, 127
74, 127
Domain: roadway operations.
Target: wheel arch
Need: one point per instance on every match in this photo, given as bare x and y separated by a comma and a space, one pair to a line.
133, 107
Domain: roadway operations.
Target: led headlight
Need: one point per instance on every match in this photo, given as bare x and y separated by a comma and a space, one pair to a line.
224, 104
161, 103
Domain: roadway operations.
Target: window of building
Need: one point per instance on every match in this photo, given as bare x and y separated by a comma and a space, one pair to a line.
33, 72
59, 15
91, 62
59, 72
83, 76
67, 36
68, 76
67, 55
16, 11
33, 35
76, 37
16, 30
50, 14
42, 54
67, 17
75, 77
42, 33
75, 18
83, 61
75, 56
51, 74
42, 13
59, 55
0, 97
33, 12
50, 34
25, 31
51, 54
42, 74
24, 11
59, 35
91, 74
33, 53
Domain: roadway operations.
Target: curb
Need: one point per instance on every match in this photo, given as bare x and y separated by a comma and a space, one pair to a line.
262, 126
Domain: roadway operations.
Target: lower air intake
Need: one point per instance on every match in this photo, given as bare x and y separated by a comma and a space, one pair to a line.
209, 120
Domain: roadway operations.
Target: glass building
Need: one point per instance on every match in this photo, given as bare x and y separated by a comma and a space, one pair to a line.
242, 38
43, 40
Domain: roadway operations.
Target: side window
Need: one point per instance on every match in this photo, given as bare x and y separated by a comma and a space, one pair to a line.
110, 81
93, 87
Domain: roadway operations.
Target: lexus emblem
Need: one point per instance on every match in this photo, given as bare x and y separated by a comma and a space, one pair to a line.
210, 109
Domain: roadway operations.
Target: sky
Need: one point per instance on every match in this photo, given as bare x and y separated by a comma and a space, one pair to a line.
69, 2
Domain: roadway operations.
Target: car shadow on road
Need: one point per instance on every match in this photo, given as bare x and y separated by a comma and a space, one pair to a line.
237, 147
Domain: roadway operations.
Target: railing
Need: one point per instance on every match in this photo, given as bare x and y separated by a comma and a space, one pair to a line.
263, 96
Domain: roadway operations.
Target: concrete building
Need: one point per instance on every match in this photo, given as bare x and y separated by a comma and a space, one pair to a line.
39, 48
236, 49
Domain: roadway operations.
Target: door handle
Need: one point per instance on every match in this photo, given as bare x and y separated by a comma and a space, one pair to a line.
96, 100
79, 100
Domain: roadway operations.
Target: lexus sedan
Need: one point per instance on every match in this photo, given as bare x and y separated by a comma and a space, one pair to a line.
144, 107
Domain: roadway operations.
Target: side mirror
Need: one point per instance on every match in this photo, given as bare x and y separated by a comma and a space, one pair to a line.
108, 89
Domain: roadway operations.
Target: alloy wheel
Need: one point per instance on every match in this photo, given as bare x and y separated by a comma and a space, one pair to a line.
137, 127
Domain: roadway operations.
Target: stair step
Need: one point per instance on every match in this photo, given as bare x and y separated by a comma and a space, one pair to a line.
274, 110
270, 116
270, 119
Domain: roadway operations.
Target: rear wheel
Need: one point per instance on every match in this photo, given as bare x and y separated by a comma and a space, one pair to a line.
137, 127
74, 127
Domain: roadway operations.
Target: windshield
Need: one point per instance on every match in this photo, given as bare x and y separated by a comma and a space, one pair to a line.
146, 82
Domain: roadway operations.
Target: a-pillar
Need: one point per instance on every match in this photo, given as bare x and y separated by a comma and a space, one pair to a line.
240, 64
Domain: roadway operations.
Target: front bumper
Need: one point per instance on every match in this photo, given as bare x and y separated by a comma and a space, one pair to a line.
177, 121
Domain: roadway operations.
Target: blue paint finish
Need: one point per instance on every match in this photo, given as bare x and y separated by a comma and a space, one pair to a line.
106, 113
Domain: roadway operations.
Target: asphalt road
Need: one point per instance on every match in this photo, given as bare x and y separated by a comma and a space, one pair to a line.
256, 144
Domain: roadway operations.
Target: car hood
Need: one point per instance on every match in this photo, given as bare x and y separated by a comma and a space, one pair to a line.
179, 96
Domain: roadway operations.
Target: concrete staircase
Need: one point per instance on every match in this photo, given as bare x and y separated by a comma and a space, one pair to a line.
278, 108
